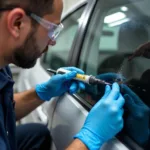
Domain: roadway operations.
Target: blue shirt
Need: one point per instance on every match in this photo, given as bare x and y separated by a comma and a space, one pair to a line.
7, 114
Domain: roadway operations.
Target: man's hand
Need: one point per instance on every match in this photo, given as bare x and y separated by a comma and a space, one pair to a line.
137, 122
104, 120
59, 84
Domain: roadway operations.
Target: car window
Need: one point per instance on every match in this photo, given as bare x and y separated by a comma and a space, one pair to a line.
57, 56
117, 43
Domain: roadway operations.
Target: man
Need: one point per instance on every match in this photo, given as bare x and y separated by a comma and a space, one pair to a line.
27, 29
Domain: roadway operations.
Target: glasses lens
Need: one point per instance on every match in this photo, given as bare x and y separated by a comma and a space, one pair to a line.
55, 31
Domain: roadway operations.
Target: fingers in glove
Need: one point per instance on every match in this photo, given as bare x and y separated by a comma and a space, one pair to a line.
121, 112
59, 78
107, 92
76, 86
115, 92
73, 88
81, 85
121, 125
74, 69
120, 101
120, 117
68, 76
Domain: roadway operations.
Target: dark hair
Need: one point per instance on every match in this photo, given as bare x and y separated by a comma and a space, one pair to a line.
39, 7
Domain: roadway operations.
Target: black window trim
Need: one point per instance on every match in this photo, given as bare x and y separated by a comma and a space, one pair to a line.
79, 38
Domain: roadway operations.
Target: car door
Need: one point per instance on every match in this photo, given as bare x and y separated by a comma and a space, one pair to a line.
116, 29
70, 111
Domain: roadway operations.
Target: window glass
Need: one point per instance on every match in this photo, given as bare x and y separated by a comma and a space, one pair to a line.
57, 56
116, 46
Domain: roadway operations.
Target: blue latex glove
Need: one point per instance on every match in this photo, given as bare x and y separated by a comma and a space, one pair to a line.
104, 120
59, 84
137, 122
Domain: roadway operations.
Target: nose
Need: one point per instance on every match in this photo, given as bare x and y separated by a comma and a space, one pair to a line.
52, 43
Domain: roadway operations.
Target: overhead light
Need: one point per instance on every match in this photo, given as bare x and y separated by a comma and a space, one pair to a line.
114, 17
79, 20
119, 22
124, 8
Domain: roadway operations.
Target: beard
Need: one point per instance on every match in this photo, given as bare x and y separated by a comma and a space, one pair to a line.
26, 55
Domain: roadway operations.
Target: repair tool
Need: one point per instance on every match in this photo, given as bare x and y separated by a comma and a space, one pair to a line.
89, 79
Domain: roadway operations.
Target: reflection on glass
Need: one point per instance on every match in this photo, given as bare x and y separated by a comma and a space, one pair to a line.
143, 51
133, 34
57, 56
124, 57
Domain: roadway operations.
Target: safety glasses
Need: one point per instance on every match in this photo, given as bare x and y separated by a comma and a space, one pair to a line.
53, 29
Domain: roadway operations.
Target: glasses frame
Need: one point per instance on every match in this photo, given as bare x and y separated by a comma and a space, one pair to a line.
53, 29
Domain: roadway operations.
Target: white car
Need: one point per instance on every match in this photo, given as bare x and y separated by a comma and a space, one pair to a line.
98, 37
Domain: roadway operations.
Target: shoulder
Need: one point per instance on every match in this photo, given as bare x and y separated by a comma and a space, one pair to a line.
8, 71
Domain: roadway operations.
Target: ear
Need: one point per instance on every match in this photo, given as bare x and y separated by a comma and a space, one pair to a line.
15, 21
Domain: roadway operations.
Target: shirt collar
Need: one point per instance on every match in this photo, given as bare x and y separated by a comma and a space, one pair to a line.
4, 78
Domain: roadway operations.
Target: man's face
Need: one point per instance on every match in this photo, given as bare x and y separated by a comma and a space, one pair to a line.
26, 55
37, 41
